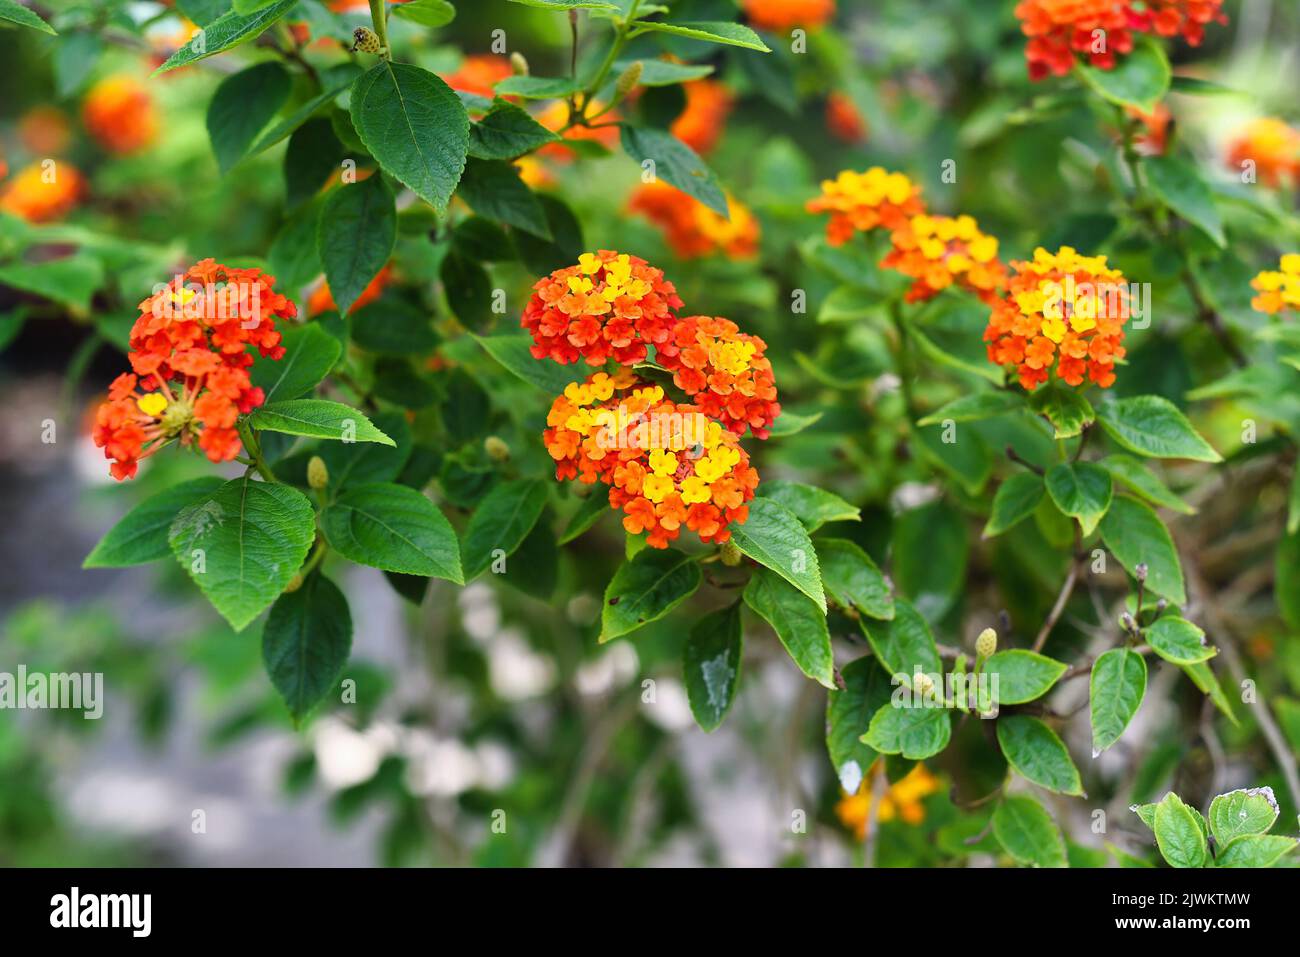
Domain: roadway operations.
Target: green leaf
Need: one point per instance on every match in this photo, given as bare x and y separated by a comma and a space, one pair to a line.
791, 423
916, 732
313, 155
852, 579
1179, 641
391, 327
363, 463
1065, 408
506, 131
228, 30
798, 622
1286, 585
494, 190
242, 543
293, 256
1142, 480
851, 304
1202, 676
15, 12
904, 643
849, 711
1255, 850
1180, 186
74, 59
1135, 535
1139, 79
318, 418
1179, 834
512, 351
928, 557
773, 536
469, 290
1116, 689
537, 87
1015, 500
542, 256
723, 32
1037, 754
68, 280
646, 587
813, 506
1151, 425
415, 126
309, 354
973, 408
306, 643
1242, 812
675, 163
500, 523
711, 665
355, 237
1027, 832
394, 528
1022, 675
1081, 490
241, 106
589, 512
141, 535
334, 81
427, 13
1293, 505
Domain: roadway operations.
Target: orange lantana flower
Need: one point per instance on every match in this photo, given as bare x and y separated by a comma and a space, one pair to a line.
1273, 147
725, 371
843, 119
938, 251
861, 202
902, 801
478, 73
1064, 309
693, 229
43, 191
44, 131
782, 15
609, 305
1278, 289
699, 125
119, 113
322, 300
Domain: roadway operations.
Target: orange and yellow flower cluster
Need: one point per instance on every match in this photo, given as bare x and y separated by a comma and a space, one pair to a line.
939, 251
1059, 30
668, 465
1278, 289
1061, 310
782, 15
861, 202
1272, 146
43, 192
119, 113
902, 802
609, 306
189, 358
691, 228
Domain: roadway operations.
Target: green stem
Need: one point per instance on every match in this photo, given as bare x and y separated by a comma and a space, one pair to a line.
903, 360
379, 17
316, 557
621, 37
254, 450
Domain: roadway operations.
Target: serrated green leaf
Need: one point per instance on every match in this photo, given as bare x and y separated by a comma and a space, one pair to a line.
309, 354
1142, 480
318, 418
647, 586
141, 535
228, 30
1179, 835
1179, 641
415, 126
1037, 754
1015, 500
392, 327
849, 711
852, 580
813, 506
711, 665
500, 523
676, 164
1115, 690
355, 237
1135, 536
1065, 408
306, 642
1022, 675
774, 536
242, 543
916, 732
1027, 832
393, 528
798, 622
14, 12
1180, 186
1081, 490
512, 352
506, 131
241, 107
1242, 812
494, 190
1255, 850
722, 32
1151, 425
904, 643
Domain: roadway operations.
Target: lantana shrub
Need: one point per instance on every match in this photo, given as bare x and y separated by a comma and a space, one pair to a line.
957, 459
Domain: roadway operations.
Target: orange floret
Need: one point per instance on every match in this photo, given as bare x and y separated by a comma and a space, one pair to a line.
1278, 290
725, 371
782, 15
702, 121
861, 202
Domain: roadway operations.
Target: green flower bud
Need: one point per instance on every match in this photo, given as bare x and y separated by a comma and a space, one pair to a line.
318, 476
986, 643
730, 554
496, 449
627, 80
518, 64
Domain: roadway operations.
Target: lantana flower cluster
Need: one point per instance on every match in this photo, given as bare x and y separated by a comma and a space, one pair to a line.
190, 359
1099, 30
1272, 146
693, 229
668, 464
1061, 310
1279, 289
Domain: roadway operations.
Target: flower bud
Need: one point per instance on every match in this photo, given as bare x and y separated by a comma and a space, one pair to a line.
986, 643
518, 64
730, 554
1128, 622
1140, 571
318, 476
496, 449
922, 684
627, 80
366, 40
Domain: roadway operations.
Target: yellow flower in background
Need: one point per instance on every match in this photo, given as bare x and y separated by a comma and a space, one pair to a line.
902, 801
1280, 289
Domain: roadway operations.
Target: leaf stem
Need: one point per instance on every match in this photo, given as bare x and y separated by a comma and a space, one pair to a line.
254, 449
379, 17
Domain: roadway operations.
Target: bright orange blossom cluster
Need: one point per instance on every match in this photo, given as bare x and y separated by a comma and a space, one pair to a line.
693, 229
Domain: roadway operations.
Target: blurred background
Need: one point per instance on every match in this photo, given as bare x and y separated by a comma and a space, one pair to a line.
489, 727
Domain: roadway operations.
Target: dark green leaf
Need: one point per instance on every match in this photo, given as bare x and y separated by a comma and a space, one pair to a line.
228, 30
798, 622
646, 587
242, 105
507, 131
141, 535
1022, 675
1135, 535
929, 553
1153, 426
916, 732
668, 158
306, 643
774, 537
493, 189
355, 237
722, 32
1015, 501
905, 643
711, 665
501, 522
1081, 490
309, 354
852, 579
1036, 753
811, 505
1179, 184
393, 528
391, 327
849, 711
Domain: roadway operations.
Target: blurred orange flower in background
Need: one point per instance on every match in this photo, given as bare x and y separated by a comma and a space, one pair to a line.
786, 14
556, 116
43, 191
702, 122
1279, 288
478, 73
322, 300
44, 131
1272, 146
119, 113
693, 229
901, 801
843, 119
